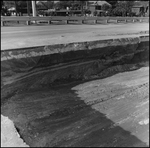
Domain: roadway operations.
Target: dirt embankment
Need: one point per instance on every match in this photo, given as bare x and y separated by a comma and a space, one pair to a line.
74, 61
37, 98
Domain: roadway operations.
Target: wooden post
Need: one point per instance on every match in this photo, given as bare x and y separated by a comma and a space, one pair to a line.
66, 21
2, 23
140, 20
49, 22
95, 21
82, 21
125, 20
133, 20
28, 22
116, 21
106, 21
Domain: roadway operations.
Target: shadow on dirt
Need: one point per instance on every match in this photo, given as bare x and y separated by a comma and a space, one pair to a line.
57, 117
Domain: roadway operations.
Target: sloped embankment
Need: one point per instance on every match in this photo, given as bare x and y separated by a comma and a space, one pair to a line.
51, 65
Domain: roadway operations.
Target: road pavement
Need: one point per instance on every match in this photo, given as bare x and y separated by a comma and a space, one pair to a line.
29, 36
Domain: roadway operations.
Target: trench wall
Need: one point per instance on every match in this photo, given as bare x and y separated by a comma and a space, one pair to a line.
54, 64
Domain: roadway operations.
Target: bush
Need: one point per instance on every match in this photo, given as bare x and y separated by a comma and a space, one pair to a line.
87, 11
95, 13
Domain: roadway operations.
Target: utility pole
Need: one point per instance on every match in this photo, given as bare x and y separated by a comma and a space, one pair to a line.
86, 4
34, 8
82, 7
16, 7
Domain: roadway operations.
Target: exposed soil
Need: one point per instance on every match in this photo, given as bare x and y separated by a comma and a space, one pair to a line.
103, 112
94, 99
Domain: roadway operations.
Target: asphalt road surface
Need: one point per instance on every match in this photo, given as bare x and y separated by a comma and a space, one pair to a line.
29, 36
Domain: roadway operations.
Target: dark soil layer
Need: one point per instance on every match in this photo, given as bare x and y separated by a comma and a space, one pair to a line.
37, 96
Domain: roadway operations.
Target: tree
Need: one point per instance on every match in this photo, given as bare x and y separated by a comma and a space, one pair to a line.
63, 4
95, 13
113, 3
106, 7
23, 6
74, 4
4, 10
20, 6
50, 4
47, 4
9, 4
2, 4
87, 11
122, 8
129, 5
5, 5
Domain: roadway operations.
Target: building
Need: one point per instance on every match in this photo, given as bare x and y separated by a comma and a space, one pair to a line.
137, 10
97, 6
141, 8
147, 11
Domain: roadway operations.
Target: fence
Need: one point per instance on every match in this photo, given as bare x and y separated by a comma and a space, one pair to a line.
81, 19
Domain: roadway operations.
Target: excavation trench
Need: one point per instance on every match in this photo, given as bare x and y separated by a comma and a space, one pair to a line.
37, 95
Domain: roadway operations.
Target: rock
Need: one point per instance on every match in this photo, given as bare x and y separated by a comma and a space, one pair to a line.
9, 135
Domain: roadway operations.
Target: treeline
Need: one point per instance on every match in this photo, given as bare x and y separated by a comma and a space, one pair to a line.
117, 7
